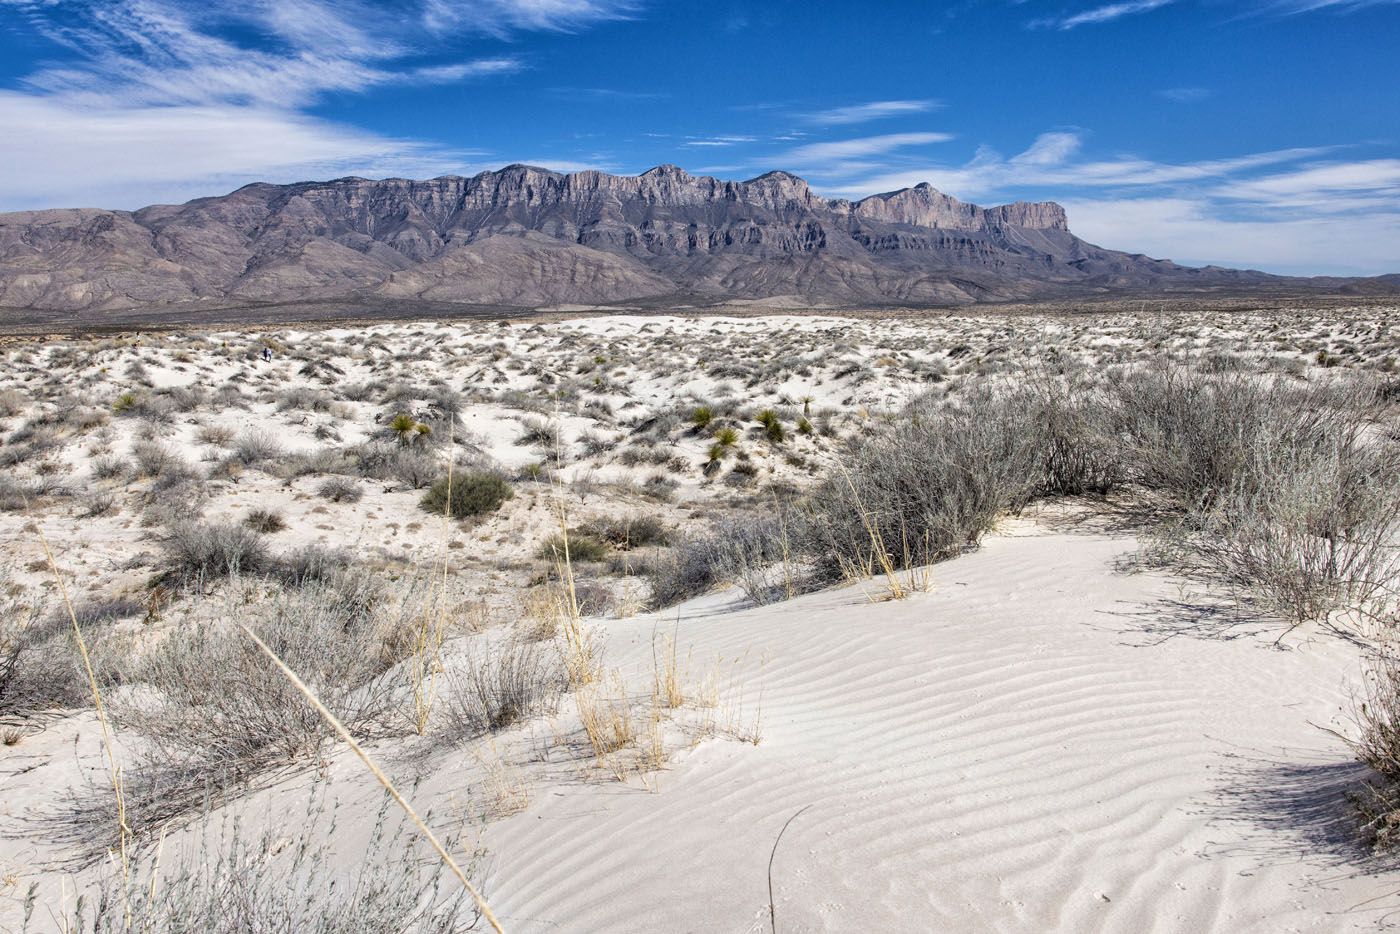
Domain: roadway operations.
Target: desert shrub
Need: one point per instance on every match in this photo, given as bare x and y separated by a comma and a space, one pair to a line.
218, 436
927, 487
594, 598
1076, 437
471, 493
582, 549
415, 469
340, 490
12, 403
265, 521
231, 881
1305, 528
537, 431
701, 416
155, 460
495, 688
303, 398
739, 550
1376, 715
40, 668
593, 443
215, 711
99, 503
755, 555
309, 563
1285, 494
94, 612
1192, 436
204, 551
627, 532
105, 468
254, 447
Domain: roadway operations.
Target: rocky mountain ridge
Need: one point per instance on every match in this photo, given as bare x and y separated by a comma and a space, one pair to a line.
529, 237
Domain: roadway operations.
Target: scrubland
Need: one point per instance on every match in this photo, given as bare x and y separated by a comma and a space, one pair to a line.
1033, 621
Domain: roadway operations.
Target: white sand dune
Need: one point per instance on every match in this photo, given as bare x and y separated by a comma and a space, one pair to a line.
1040, 743
1015, 751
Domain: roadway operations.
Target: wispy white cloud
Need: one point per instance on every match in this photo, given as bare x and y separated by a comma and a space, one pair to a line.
1102, 14
59, 155
1184, 95
708, 141
1300, 210
1048, 163
873, 110
865, 146
500, 17
472, 69
1195, 231
1308, 6
159, 99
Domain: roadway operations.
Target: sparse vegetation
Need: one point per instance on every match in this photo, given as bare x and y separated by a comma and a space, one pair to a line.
467, 494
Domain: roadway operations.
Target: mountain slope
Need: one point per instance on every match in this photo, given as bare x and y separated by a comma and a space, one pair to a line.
527, 237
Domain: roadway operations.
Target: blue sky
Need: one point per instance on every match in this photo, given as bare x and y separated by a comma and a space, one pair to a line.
1260, 133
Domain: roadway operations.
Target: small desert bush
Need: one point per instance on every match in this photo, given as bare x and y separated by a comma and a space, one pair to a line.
1376, 715
265, 521
495, 688
254, 447
930, 485
467, 494
212, 710
628, 532
40, 668
340, 490
582, 549
206, 551
158, 461
743, 551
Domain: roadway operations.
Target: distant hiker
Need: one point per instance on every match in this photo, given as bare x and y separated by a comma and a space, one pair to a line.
267, 354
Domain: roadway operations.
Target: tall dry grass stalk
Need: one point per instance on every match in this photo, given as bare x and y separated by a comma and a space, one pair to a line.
428, 649
879, 551
382, 778
580, 650
124, 835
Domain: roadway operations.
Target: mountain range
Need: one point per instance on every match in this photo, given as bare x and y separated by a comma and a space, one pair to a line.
528, 237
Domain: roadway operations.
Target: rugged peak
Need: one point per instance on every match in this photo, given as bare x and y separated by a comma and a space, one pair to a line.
667, 170
920, 206
1039, 215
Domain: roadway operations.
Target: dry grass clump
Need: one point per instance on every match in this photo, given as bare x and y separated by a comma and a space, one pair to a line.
628, 532
40, 669
233, 880
754, 551
582, 548
494, 688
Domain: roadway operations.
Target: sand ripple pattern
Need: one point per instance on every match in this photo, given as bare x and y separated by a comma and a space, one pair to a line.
1011, 752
